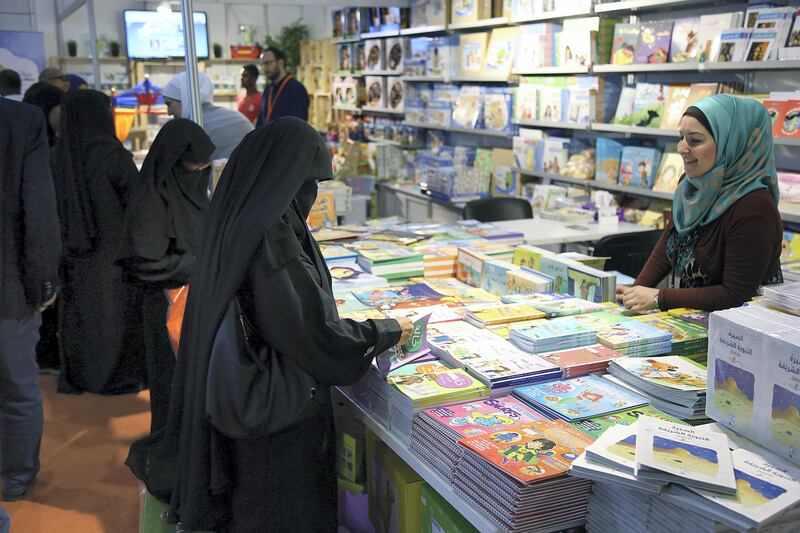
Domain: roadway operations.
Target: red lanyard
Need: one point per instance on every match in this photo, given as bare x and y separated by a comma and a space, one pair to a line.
271, 101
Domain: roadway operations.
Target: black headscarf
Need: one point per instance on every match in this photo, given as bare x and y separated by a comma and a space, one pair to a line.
169, 203
87, 150
272, 171
45, 97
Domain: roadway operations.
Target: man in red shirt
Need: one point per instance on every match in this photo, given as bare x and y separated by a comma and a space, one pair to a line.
249, 99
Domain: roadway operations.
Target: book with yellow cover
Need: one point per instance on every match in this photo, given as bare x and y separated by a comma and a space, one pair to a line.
502, 314
472, 53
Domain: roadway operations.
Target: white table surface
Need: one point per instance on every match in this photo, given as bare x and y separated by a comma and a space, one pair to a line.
540, 231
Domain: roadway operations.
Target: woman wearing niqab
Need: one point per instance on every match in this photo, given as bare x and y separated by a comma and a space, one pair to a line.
102, 350
162, 234
257, 246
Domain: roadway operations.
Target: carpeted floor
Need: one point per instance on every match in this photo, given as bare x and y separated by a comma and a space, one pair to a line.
84, 485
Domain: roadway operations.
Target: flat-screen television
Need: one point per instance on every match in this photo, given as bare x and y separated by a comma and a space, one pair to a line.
152, 35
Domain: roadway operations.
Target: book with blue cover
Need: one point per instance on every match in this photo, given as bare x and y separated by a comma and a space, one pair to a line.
550, 336
609, 155
579, 398
566, 307
631, 334
493, 278
638, 166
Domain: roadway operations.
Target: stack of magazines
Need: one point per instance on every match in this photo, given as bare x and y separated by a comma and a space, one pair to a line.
785, 297
551, 336
676, 385
635, 339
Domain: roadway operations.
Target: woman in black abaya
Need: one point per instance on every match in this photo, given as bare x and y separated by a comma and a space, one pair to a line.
162, 234
256, 245
101, 339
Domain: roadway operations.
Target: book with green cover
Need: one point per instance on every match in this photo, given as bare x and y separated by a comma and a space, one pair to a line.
445, 387
438, 516
598, 425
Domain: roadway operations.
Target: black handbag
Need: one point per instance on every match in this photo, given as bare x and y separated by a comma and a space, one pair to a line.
252, 390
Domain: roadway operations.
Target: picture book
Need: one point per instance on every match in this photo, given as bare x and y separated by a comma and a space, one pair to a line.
456, 292
616, 448
760, 45
448, 386
609, 153
346, 302
711, 28
401, 296
733, 45
674, 106
363, 315
669, 172
694, 316
779, 20
684, 334
438, 313
579, 361
546, 336
512, 371
631, 333
579, 398
531, 48
483, 417
531, 452
552, 102
691, 456
638, 166
566, 307
414, 372
470, 10
624, 111
467, 109
472, 53
575, 43
673, 372
497, 109
526, 104
334, 253
558, 269
648, 106
323, 212
787, 122
524, 281
623, 47
654, 42
501, 51
486, 315
596, 426
685, 40
349, 277
701, 90
469, 267
374, 253
416, 347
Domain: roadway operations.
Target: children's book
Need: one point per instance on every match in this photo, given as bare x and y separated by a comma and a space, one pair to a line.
467, 109
598, 425
346, 302
402, 296
415, 371
608, 155
685, 40
616, 448
363, 315
547, 336
334, 253
648, 106
350, 277
416, 347
695, 316
472, 52
469, 267
497, 109
445, 387
486, 315
456, 292
513, 371
711, 28
566, 307
638, 166
624, 111
701, 90
531, 452
581, 361
654, 42
669, 173
483, 417
623, 47
629, 334
501, 52
579, 398
674, 106
760, 45
691, 456
733, 45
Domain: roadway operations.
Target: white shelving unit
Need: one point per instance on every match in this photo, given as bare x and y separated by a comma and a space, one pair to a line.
553, 15
697, 67
469, 131
479, 24
424, 79
549, 124
380, 73
634, 6
479, 79
548, 71
380, 34
633, 130
423, 30
548, 177
636, 191
382, 110
349, 108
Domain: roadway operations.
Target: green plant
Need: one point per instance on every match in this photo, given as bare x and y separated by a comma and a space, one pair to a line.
72, 48
288, 41
113, 48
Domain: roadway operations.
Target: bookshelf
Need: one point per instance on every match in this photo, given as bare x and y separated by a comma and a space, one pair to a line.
496, 22
630, 131
381, 110
469, 131
550, 124
553, 15
421, 31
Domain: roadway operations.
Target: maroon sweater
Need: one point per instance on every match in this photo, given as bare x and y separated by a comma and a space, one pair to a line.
738, 251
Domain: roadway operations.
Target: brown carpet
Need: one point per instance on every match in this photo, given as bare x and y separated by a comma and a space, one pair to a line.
84, 485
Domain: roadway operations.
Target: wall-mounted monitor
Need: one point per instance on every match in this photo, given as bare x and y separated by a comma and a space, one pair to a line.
152, 35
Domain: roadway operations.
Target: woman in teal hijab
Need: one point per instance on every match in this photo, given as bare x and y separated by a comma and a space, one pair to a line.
724, 240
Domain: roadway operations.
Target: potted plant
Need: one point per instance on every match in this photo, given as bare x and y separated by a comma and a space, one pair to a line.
72, 48
113, 48
217, 50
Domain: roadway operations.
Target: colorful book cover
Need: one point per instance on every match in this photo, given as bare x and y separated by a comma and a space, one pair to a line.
691, 456
326, 234
701, 90
416, 347
350, 277
609, 153
616, 448
579, 398
504, 313
558, 269
472, 51
623, 47
497, 109
648, 106
363, 315
323, 212
442, 387
458, 293
334, 253
733, 45
378, 252
524, 281
402, 297
503, 330
531, 452
711, 28
686, 44
512, 370
566, 307
695, 316
530, 256
438, 313
682, 331
629, 334
654, 42
501, 52
638, 166
760, 45
596, 426
526, 105
587, 356
415, 372
584, 285
674, 106
467, 109
624, 112
346, 302
673, 372
669, 173
484, 417
469, 267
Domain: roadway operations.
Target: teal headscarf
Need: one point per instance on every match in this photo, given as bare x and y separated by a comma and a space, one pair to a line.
745, 162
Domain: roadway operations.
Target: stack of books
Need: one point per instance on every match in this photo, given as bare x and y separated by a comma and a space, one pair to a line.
596, 426
579, 398
518, 478
347, 277
553, 304
435, 432
581, 361
483, 315
459, 342
676, 385
414, 295
336, 253
388, 260
688, 339
550, 336
503, 374
635, 339
492, 232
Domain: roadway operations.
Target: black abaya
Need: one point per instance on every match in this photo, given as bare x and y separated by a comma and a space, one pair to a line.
100, 330
256, 245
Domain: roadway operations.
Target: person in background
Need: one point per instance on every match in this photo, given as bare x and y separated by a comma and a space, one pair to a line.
162, 235
47, 98
284, 96
48, 349
724, 240
55, 77
257, 245
249, 99
100, 329
10, 85
76, 82
225, 127
30, 247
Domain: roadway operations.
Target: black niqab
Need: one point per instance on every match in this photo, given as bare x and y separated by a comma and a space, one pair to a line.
169, 203
45, 97
87, 150
187, 462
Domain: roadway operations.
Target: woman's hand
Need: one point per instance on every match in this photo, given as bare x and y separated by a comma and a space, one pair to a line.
408, 328
620, 292
638, 298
